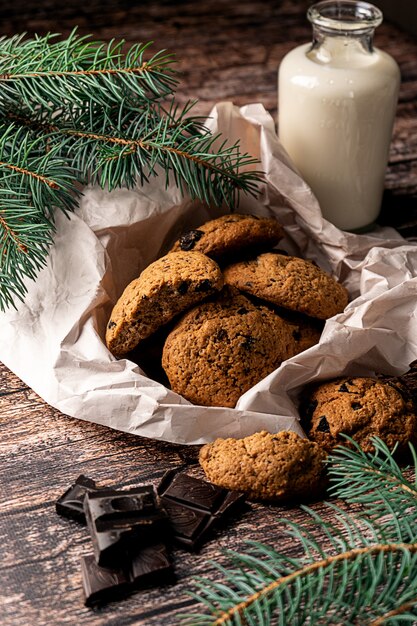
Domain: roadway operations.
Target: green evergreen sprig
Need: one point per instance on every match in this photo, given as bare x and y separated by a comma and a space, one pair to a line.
358, 569
80, 111
43, 71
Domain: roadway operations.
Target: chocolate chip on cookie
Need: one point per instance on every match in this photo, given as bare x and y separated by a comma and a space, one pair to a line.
361, 408
289, 282
165, 288
277, 467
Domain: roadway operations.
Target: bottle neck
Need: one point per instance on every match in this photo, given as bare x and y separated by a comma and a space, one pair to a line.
330, 46
342, 29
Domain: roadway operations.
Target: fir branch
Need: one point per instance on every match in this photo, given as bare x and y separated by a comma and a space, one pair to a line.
351, 555
25, 238
378, 484
355, 570
32, 184
52, 73
120, 145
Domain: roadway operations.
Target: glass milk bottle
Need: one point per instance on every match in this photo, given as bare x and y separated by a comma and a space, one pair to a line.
337, 101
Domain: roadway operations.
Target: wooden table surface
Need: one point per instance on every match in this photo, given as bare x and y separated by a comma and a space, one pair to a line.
229, 50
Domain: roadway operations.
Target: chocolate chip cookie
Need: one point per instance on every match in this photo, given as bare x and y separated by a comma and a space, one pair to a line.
165, 288
229, 234
361, 408
278, 467
221, 348
289, 282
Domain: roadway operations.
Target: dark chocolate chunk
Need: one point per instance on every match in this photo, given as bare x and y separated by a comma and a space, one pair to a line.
204, 285
71, 503
194, 506
188, 240
220, 335
356, 406
183, 287
102, 585
323, 425
242, 311
148, 566
118, 520
111, 324
343, 388
248, 342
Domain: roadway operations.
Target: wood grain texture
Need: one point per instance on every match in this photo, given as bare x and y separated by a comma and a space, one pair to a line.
228, 49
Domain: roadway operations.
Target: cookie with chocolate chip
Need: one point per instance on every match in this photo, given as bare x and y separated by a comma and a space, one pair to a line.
361, 408
167, 287
219, 349
278, 467
289, 282
231, 234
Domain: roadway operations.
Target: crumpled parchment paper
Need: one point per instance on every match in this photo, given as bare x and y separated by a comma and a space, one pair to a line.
54, 341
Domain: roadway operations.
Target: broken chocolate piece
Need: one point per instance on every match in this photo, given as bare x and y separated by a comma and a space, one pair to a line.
148, 566
356, 406
119, 520
194, 506
188, 240
102, 585
71, 503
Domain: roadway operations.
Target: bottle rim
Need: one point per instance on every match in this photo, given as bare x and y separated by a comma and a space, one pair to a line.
345, 15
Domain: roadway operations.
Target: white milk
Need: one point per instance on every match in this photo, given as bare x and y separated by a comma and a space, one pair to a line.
336, 111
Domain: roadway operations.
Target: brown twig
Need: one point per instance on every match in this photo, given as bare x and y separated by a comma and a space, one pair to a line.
51, 183
398, 611
127, 70
8, 232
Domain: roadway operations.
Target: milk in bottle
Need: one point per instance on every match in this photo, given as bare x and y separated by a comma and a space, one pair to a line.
337, 101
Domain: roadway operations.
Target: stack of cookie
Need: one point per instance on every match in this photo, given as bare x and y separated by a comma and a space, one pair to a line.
239, 308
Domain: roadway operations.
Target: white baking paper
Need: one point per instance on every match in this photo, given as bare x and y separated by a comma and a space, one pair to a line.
54, 341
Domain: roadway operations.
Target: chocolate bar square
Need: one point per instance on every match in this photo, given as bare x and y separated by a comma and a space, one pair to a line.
122, 521
71, 503
102, 585
193, 491
149, 566
194, 506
